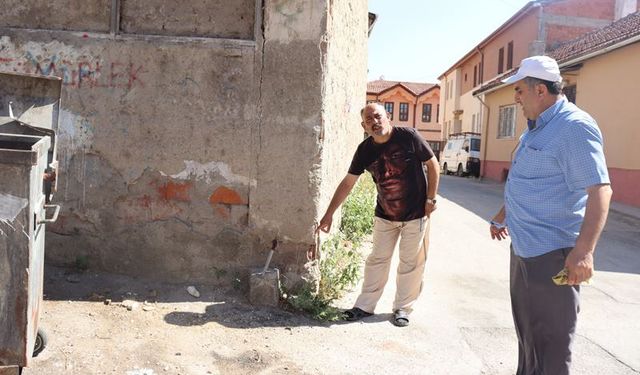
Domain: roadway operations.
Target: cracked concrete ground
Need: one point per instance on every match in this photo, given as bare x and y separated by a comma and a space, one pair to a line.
461, 324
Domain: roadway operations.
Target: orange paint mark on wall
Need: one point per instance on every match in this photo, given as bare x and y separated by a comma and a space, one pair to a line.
226, 196
175, 191
222, 198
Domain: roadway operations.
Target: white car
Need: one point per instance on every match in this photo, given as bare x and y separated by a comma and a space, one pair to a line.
461, 155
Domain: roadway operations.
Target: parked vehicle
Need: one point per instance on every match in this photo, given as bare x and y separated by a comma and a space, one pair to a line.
461, 155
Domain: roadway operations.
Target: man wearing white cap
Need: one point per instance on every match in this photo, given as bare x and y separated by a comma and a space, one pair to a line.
556, 202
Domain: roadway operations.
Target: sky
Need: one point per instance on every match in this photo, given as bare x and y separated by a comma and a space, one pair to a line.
418, 40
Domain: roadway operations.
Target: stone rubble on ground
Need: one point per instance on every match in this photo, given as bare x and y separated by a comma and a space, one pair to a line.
193, 291
130, 305
146, 306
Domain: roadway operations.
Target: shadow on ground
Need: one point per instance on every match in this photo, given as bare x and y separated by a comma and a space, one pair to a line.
227, 306
244, 316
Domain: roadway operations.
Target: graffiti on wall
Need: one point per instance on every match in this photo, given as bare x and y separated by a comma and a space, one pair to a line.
81, 72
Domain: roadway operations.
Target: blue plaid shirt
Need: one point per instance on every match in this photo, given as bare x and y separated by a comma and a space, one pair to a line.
559, 156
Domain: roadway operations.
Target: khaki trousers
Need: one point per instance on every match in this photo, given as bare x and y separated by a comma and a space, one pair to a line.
414, 242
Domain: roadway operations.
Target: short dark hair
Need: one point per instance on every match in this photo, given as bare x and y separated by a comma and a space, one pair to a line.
554, 88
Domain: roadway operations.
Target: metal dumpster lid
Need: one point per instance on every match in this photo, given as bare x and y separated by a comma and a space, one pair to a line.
10, 206
35, 100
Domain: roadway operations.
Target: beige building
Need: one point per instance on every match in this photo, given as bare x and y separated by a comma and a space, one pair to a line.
538, 27
600, 71
411, 104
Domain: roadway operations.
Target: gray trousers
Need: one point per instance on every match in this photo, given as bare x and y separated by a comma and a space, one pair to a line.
544, 314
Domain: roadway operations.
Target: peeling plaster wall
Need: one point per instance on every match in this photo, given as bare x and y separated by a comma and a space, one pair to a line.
208, 18
345, 86
292, 64
181, 156
85, 15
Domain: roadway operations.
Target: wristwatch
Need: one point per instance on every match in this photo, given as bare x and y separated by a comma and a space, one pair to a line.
431, 201
497, 225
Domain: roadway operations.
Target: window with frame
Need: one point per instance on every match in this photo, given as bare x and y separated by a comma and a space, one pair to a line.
388, 106
404, 112
437, 112
501, 60
510, 55
435, 146
477, 124
475, 75
570, 93
507, 121
426, 112
475, 144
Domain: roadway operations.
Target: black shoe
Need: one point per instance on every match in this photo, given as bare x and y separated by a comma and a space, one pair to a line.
355, 314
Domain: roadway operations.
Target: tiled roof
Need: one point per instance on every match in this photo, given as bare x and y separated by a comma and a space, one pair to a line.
496, 81
378, 86
623, 29
617, 32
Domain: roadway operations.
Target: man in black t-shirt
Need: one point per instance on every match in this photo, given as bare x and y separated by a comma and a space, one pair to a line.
395, 157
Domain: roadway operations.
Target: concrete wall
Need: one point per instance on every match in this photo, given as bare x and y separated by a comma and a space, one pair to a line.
207, 18
344, 90
81, 15
180, 155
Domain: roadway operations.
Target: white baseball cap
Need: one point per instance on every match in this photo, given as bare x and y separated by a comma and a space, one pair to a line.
541, 67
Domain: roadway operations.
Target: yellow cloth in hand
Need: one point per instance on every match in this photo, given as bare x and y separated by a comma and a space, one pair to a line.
562, 277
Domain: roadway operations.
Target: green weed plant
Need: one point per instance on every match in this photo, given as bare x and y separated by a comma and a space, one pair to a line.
358, 210
340, 256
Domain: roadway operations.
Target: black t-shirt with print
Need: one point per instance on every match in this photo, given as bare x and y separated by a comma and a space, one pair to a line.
397, 170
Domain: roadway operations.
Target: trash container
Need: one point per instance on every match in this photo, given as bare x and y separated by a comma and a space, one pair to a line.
27, 153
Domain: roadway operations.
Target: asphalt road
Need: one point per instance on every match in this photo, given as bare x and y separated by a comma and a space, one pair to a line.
463, 257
